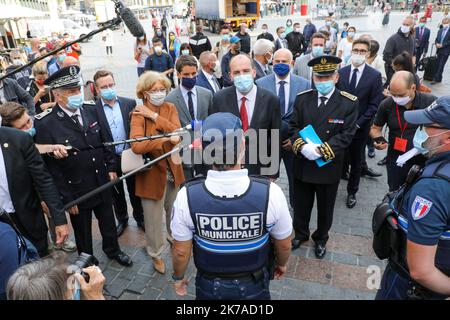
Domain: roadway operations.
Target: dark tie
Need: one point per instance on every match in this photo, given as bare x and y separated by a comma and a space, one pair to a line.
322, 102
282, 96
244, 115
76, 120
421, 34
353, 81
191, 105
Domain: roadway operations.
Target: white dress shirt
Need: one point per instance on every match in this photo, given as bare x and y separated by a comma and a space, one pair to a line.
210, 78
184, 92
358, 74
287, 88
230, 184
249, 102
6, 204
71, 114
328, 96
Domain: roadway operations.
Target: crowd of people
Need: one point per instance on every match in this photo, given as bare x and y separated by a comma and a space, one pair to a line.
55, 123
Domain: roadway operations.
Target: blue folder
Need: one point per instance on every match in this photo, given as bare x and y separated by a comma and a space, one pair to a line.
308, 132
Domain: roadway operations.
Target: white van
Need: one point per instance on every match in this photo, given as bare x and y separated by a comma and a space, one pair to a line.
44, 28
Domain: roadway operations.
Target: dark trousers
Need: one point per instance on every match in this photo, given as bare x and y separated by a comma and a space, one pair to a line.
389, 74
442, 60
303, 203
288, 159
356, 153
82, 226
120, 204
232, 289
418, 51
109, 49
392, 286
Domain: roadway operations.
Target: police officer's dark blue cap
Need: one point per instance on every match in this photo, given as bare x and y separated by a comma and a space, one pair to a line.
65, 78
438, 112
221, 123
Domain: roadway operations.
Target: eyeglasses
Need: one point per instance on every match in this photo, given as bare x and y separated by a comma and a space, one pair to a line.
356, 51
156, 91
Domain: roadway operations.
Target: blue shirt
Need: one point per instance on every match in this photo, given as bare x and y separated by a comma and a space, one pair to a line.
9, 256
157, 63
115, 122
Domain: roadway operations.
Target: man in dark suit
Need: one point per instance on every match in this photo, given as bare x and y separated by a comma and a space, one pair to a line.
114, 119
258, 109
72, 122
24, 182
332, 114
286, 86
363, 81
263, 54
443, 49
422, 39
206, 77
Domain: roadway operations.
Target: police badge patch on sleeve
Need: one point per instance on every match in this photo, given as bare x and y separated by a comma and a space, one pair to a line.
420, 208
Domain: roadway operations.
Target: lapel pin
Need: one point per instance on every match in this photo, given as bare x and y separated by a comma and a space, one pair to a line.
60, 114
5, 145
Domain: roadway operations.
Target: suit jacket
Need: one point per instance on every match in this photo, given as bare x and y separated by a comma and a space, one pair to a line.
259, 70
85, 169
29, 182
265, 116
301, 68
15, 93
203, 82
446, 44
335, 124
126, 106
204, 101
296, 85
423, 42
369, 92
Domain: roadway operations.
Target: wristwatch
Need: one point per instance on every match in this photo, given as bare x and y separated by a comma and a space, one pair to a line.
175, 278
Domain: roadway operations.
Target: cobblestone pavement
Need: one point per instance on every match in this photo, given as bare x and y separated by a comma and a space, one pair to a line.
342, 274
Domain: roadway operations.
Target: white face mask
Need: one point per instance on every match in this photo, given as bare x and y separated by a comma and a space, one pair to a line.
358, 59
158, 50
157, 98
405, 29
401, 101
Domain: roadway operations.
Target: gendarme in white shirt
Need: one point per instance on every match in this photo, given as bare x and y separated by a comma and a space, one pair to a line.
231, 184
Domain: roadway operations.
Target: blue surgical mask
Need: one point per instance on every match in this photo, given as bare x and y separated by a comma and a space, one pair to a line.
328, 23
75, 101
351, 34
159, 33
317, 51
324, 87
62, 57
281, 69
244, 83
185, 52
226, 38
419, 138
108, 93
422, 25
31, 131
189, 83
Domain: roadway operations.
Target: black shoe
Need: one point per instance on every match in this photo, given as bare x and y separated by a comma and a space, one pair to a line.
370, 173
121, 227
351, 201
371, 153
382, 162
123, 259
345, 175
296, 243
320, 251
141, 225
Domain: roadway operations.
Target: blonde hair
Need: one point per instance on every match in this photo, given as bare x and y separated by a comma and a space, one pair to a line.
40, 68
147, 80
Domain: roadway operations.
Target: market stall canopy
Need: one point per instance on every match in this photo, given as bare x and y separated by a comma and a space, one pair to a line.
13, 11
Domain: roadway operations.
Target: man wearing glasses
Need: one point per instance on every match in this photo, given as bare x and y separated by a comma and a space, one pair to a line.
362, 81
114, 119
403, 97
423, 207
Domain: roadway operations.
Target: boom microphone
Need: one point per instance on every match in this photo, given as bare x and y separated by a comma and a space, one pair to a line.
130, 20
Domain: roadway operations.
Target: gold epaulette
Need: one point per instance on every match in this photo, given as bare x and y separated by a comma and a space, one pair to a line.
349, 96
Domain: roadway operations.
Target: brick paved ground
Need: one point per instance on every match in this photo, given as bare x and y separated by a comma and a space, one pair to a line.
343, 272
